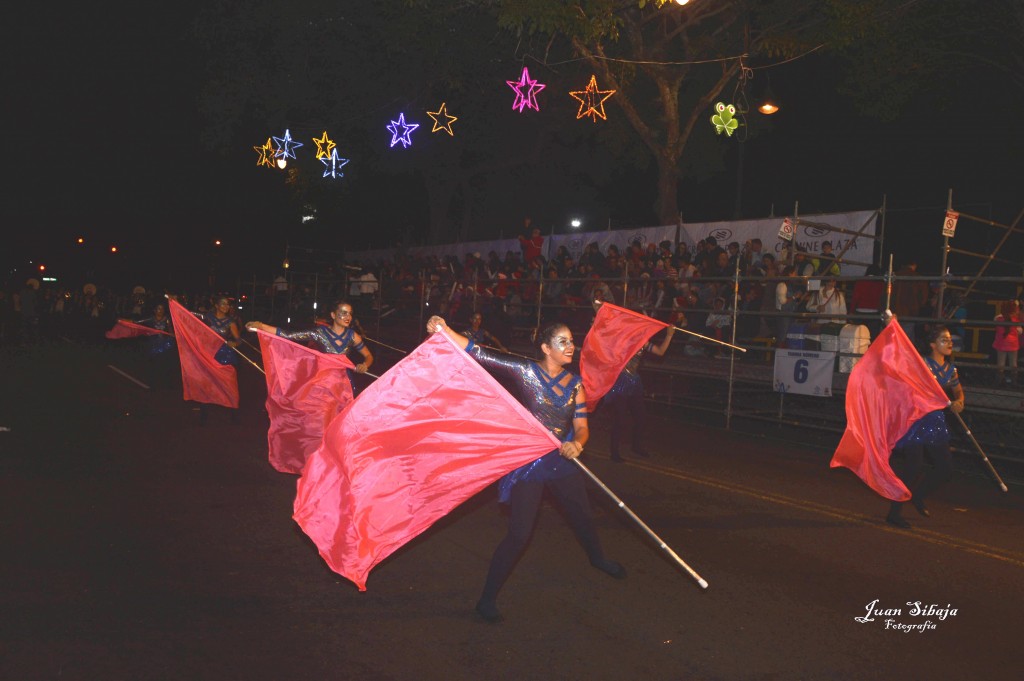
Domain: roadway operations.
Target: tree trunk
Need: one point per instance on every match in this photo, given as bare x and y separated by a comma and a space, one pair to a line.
667, 204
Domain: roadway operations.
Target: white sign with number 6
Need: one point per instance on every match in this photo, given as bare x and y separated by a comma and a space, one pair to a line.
804, 373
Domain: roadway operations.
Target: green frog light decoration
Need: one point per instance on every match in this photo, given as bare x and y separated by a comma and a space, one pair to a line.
724, 119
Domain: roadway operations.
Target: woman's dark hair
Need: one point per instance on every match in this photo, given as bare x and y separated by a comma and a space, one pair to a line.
548, 333
338, 303
933, 333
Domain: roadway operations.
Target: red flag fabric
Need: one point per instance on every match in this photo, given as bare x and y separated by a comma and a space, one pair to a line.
127, 329
612, 341
306, 389
421, 439
889, 389
204, 379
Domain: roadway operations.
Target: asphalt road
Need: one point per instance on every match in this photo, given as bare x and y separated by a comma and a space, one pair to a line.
139, 545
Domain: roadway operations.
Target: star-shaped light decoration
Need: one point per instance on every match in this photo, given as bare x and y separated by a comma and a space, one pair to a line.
286, 146
266, 153
401, 131
323, 146
448, 120
333, 165
526, 91
591, 100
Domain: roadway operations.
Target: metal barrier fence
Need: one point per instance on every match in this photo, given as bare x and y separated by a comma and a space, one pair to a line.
693, 376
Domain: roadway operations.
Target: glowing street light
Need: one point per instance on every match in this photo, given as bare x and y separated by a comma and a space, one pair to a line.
576, 223
81, 240
113, 249
216, 242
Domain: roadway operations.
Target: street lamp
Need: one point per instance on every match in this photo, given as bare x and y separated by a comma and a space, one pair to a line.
769, 104
576, 223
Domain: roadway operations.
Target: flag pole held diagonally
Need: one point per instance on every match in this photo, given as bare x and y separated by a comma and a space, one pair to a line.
661, 544
981, 452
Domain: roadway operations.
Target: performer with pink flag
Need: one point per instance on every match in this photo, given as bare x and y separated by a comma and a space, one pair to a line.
558, 400
928, 437
336, 339
893, 399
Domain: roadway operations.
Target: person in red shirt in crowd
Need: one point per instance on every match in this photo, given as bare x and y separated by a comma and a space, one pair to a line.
532, 245
867, 298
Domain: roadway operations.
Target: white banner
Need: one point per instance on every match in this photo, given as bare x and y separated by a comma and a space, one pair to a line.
804, 373
806, 236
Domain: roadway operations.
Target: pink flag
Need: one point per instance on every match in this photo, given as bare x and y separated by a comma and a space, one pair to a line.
127, 329
424, 437
204, 379
306, 389
889, 389
617, 334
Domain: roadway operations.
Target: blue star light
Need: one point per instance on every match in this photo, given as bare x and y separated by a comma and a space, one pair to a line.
406, 131
286, 146
333, 165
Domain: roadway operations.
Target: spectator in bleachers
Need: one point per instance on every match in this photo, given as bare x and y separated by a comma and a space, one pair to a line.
1007, 342
829, 302
908, 298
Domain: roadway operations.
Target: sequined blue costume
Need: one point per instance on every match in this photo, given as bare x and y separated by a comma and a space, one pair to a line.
158, 343
552, 403
226, 354
927, 438
625, 399
555, 405
931, 428
325, 339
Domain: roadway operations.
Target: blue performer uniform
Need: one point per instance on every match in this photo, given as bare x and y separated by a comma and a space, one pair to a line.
626, 398
157, 344
226, 354
325, 339
928, 437
553, 402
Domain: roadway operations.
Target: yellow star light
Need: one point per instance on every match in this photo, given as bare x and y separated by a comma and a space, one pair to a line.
438, 125
324, 146
591, 100
266, 153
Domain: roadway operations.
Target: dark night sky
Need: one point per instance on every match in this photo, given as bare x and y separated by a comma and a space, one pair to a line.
103, 132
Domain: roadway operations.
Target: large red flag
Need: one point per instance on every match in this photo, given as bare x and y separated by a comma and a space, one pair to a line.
889, 388
612, 341
306, 389
127, 329
204, 379
424, 437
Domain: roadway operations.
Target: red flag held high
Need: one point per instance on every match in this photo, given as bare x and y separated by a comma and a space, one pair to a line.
421, 439
306, 389
889, 389
204, 379
612, 341
127, 329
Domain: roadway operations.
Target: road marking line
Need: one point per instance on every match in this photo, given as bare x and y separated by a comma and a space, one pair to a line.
936, 538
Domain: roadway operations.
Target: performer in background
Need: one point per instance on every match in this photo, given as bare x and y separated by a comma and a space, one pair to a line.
158, 346
481, 336
337, 339
223, 322
556, 398
626, 397
928, 437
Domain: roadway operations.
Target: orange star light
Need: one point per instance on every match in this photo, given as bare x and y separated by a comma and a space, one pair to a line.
266, 153
438, 125
592, 100
324, 146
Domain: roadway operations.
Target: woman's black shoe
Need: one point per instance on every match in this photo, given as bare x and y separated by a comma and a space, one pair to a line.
897, 520
489, 611
921, 508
